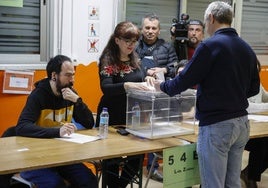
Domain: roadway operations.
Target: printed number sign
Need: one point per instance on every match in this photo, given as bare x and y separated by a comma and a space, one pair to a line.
180, 166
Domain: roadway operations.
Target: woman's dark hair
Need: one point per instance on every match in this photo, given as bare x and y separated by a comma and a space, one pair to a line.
54, 64
111, 53
126, 30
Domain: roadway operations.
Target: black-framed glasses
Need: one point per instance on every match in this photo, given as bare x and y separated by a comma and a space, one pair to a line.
129, 42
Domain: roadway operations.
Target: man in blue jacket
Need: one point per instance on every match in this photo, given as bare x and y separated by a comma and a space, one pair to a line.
225, 70
48, 113
156, 54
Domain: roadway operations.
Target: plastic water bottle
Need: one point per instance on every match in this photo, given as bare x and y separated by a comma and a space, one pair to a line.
104, 123
136, 115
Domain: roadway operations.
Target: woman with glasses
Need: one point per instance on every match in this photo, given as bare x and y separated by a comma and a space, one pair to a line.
119, 70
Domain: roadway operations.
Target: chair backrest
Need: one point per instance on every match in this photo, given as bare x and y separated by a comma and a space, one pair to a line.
11, 131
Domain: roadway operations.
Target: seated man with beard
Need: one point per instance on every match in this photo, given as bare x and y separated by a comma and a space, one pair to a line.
48, 113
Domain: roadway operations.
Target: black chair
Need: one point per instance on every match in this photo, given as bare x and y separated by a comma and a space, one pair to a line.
124, 165
98, 168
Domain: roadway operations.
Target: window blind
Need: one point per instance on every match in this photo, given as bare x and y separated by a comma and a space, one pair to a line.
253, 26
165, 10
196, 9
20, 28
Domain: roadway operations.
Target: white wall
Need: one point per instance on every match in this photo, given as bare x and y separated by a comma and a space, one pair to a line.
71, 27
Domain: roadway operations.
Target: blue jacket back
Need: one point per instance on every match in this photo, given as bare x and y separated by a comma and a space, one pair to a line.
224, 68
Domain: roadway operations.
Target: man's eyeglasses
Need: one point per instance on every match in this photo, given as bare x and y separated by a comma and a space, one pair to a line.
129, 42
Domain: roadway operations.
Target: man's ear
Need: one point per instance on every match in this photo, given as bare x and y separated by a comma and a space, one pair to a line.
54, 76
211, 18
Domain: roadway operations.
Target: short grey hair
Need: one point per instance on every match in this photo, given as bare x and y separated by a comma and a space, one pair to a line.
151, 17
221, 11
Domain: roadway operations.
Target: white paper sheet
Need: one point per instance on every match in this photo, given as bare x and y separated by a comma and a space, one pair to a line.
79, 138
258, 118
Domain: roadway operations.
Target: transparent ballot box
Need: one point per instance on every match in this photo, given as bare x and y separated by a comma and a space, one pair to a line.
160, 115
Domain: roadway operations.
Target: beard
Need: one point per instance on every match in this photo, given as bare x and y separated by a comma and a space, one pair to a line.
60, 86
193, 41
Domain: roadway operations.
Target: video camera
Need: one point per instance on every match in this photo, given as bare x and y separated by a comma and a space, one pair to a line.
179, 31
179, 28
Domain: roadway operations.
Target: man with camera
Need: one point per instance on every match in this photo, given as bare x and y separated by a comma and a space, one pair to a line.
185, 47
195, 36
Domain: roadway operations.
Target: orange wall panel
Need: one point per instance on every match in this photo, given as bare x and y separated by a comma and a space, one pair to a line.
87, 84
264, 76
12, 104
